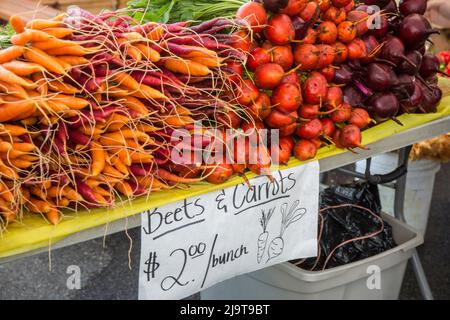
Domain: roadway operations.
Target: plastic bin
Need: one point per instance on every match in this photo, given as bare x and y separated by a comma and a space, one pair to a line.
286, 281
419, 187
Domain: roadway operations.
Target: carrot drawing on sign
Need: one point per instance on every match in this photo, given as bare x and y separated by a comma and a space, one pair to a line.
294, 214
264, 236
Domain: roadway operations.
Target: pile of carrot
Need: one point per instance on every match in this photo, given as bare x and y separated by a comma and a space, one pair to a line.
88, 106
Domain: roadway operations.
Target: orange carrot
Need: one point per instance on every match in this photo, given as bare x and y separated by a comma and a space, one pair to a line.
22, 68
53, 216
10, 77
71, 101
74, 60
98, 158
186, 67
66, 88
111, 171
42, 58
178, 121
7, 171
11, 129
21, 164
208, 61
119, 165
39, 24
52, 43
11, 53
124, 188
16, 110
59, 32
23, 146
135, 104
23, 38
116, 122
13, 89
151, 183
156, 33
74, 50
17, 24
143, 90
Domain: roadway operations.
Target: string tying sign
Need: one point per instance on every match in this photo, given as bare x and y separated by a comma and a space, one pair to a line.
193, 244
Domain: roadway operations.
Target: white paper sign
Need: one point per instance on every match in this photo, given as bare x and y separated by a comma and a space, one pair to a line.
193, 244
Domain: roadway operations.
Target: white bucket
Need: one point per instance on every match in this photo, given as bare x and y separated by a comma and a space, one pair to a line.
376, 278
419, 187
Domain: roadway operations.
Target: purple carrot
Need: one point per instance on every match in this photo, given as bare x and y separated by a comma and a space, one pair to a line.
86, 192
137, 189
140, 170
59, 145
78, 138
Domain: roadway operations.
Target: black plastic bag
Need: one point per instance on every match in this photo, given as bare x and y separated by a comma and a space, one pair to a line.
337, 225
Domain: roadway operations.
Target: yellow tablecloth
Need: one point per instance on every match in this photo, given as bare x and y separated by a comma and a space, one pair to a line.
34, 232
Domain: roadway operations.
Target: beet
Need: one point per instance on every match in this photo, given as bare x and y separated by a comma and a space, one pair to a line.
391, 7
385, 105
394, 50
300, 27
371, 44
353, 96
405, 84
380, 3
431, 98
430, 65
380, 77
275, 5
381, 30
414, 30
343, 75
411, 103
405, 67
408, 7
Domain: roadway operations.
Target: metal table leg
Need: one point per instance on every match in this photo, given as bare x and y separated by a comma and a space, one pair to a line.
400, 186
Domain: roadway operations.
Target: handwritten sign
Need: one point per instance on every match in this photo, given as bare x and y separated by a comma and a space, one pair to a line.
198, 242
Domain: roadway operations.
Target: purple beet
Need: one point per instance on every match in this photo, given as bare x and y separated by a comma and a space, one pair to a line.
414, 30
353, 96
385, 106
380, 77
391, 7
430, 66
379, 3
394, 50
343, 75
431, 98
300, 27
408, 7
371, 44
413, 101
405, 84
405, 67
381, 30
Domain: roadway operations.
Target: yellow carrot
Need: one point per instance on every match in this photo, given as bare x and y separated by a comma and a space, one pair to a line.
186, 67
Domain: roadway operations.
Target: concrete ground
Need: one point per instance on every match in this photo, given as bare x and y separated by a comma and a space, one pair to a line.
105, 273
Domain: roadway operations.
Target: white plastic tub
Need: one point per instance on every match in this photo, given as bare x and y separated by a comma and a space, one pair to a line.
286, 281
419, 187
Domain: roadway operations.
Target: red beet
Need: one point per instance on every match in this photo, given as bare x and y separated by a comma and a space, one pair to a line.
380, 77
385, 106
429, 66
405, 67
